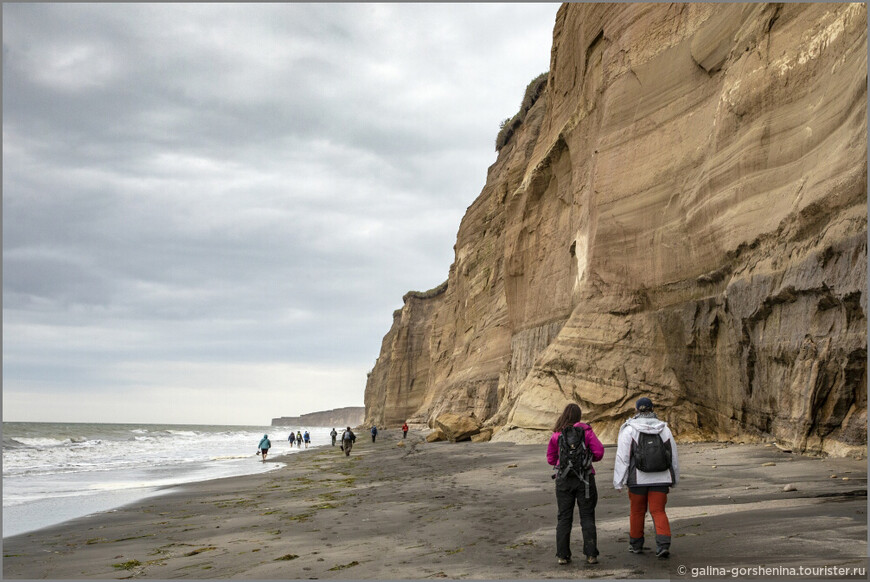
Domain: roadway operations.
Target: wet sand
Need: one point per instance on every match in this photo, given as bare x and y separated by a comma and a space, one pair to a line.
416, 510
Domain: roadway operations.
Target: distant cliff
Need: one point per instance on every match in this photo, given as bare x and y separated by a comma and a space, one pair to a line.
340, 417
679, 211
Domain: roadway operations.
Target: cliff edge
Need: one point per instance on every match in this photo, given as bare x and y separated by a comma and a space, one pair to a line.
680, 212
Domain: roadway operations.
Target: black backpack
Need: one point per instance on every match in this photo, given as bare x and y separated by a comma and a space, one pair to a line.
651, 454
574, 456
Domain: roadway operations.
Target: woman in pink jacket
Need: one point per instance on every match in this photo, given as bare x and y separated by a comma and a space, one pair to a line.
575, 486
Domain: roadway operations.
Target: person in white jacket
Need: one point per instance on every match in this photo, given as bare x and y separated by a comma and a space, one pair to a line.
645, 442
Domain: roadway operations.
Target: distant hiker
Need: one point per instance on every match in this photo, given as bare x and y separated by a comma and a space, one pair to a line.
572, 449
292, 438
264, 446
307, 438
405, 430
646, 461
299, 439
374, 433
333, 434
347, 440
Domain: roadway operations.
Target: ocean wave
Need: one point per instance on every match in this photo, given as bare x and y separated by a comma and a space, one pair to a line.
123, 485
229, 457
87, 443
42, 442
187, 433
40, 451
10, 443
13, 499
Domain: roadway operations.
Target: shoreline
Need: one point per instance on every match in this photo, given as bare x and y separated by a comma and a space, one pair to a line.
414, 510
56, 511
52, 495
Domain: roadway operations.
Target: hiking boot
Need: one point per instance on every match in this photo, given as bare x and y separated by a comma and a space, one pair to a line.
663, 553
635, 550
591, 560
563, 561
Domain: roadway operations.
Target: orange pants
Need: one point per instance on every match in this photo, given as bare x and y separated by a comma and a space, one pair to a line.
656, 501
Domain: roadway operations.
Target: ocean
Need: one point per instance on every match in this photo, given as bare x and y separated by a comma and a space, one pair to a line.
54, 472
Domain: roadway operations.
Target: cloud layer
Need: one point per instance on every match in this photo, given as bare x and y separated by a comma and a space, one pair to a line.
211, 188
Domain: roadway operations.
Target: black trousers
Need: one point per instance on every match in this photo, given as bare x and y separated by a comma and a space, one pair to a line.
568, 492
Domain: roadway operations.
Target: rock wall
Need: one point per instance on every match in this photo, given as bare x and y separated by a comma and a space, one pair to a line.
681, 214
339, 417
402, 369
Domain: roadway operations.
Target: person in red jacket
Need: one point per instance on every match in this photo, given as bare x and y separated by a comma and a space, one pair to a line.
405, 430
571, 489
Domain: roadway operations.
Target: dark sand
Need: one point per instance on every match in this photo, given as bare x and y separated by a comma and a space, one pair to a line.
466, 510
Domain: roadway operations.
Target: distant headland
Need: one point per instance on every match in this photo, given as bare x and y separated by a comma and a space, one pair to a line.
348, 416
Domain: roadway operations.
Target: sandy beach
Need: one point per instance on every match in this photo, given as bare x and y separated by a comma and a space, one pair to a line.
416, 510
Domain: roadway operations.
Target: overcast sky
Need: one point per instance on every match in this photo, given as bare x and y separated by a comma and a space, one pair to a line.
210, 211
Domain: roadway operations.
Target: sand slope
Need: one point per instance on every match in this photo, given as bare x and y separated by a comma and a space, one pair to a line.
466, 510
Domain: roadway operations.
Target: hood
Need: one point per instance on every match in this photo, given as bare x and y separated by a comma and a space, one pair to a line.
265, 436
649, 425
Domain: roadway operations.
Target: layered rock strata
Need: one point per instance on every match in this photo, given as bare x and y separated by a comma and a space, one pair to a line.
681, 214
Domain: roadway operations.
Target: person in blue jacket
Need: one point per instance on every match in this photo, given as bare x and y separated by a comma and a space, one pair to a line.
374, 433
264, 446
292, 439
307, 438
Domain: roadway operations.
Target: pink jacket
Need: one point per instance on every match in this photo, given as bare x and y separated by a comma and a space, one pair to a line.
591, 441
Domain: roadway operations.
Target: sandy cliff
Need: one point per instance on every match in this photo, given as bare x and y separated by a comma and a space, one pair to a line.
681, 214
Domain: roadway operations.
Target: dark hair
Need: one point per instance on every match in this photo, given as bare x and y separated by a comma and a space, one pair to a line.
569, 417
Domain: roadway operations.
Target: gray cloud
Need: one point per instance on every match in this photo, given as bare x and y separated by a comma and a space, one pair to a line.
237, 184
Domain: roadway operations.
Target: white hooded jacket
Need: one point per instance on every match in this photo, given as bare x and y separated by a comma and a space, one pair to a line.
624, 471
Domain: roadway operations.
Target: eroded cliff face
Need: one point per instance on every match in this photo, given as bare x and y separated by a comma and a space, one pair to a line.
682, 214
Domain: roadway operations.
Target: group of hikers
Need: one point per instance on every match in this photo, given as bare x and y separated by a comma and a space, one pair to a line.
646, 463
296, 438
347, 439
299, 438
